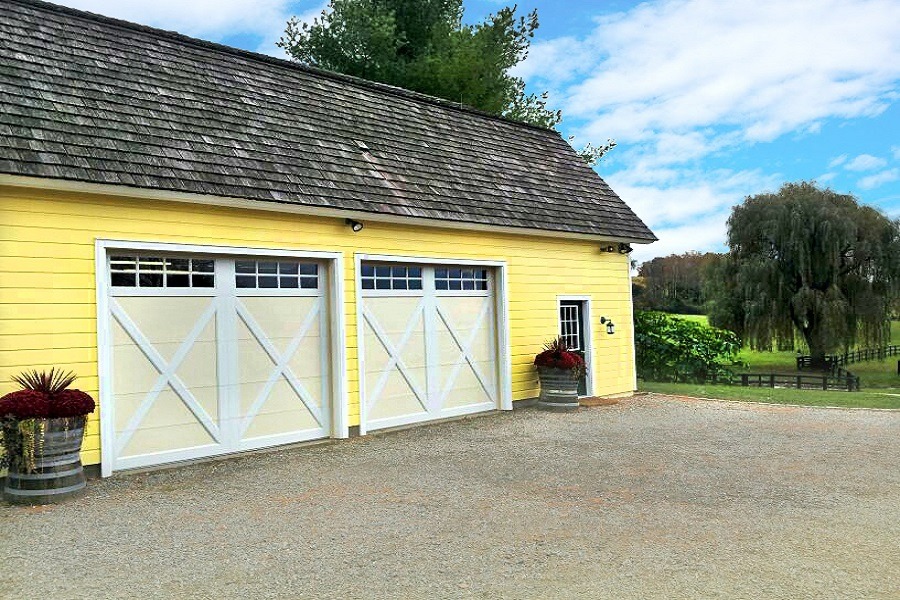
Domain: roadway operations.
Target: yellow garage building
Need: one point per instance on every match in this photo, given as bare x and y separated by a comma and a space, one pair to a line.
236, 252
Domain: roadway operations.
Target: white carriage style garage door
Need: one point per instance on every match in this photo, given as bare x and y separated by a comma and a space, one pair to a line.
212, 354
429, 342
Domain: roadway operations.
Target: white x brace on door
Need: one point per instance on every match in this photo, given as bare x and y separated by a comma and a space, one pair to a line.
210, 355
428, 341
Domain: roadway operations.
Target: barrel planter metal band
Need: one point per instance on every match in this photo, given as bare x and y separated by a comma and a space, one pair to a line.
559, 389
57, 472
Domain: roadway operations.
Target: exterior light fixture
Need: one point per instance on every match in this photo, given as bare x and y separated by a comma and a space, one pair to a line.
624, 248
610, 326
356, 226
609, 248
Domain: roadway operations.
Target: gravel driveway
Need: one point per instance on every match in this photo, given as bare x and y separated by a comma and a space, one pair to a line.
652, 498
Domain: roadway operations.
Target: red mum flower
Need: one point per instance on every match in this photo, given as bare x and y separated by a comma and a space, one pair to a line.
25, 404
71, 403
560, 359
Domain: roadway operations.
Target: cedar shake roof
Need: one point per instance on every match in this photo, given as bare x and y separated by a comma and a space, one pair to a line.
92, 99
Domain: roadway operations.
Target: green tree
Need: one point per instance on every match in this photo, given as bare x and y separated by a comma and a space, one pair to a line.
675, 283
423, 45
812, 262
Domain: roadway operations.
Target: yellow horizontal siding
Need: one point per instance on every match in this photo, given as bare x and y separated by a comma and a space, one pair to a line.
48, 298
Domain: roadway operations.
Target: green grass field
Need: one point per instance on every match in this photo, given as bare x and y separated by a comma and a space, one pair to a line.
878, 379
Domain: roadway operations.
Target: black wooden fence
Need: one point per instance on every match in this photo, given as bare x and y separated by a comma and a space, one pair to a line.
846, 382
833, 361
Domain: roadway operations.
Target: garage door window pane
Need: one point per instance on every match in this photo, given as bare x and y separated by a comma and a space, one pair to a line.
161, 272
203, 281
182, 280
245, 281
245, 266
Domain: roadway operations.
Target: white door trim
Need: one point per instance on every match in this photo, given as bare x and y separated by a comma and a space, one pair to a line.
588, 335
501, 299
335, 299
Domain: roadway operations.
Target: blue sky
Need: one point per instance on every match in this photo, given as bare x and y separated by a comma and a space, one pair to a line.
709, 101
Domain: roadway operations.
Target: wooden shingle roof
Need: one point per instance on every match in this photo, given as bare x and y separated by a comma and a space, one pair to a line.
93, 99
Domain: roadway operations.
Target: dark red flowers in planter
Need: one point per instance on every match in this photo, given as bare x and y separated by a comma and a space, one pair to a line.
71, 403
557, 355
25, 404
45, 396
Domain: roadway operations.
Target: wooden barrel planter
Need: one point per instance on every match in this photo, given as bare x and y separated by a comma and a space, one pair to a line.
57, 473
559, 389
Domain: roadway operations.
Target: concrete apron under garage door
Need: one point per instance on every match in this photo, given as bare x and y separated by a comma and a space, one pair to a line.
429, 346
211, 354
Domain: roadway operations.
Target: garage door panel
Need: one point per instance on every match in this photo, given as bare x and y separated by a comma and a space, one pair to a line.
398, 398
280, 318
466, 390
133, 374
167, 425
281, 412
254, 367
165, 321
276, 398
199, 371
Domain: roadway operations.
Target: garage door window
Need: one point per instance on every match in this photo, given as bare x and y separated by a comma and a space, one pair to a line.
388, 277
161, 272
269, 274
460, 279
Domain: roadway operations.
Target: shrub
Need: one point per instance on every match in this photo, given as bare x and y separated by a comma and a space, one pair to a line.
672, 349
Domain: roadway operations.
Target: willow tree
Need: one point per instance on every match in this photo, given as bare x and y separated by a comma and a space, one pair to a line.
812, 262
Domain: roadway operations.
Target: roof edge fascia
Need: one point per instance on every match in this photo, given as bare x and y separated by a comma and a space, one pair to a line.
124, 191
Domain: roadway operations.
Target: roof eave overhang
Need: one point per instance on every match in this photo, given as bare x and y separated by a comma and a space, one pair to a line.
124, 191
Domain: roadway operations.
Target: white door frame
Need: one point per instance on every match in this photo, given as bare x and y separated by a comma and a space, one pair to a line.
337, 332
501, 307
588, 336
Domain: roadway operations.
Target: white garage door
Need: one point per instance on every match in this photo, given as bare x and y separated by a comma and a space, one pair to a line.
428, 342
212, 355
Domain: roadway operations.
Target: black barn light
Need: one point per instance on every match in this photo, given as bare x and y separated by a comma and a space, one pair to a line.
610, 326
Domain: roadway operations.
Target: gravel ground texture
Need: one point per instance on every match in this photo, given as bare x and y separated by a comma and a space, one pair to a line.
655, 497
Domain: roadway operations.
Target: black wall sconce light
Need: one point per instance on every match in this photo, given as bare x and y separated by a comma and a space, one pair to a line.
610, 326
624, 248
356, 226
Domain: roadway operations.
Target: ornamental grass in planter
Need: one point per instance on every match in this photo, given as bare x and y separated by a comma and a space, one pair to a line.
42, 426
559, 370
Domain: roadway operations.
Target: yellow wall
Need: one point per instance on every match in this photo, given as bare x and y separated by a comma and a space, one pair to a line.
47, 287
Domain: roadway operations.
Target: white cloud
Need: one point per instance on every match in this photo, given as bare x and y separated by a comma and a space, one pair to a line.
680, 82
837, 161
766, 67
707, 233
895, 150
879, 179
207, 19
865, 162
